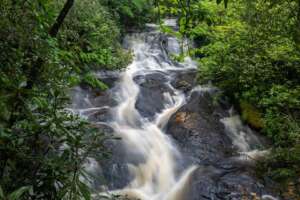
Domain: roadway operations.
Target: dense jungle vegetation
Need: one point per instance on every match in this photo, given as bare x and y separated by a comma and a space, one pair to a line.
249, 49
46, 47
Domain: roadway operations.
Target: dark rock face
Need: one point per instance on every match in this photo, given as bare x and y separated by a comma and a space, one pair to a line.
151, 97
195, 129
153, 86
201, 137
198, 131
184, 80
108, 77
112, 172
211, 183
94, 103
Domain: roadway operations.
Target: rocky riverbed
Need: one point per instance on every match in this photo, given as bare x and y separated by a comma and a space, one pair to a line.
201, 128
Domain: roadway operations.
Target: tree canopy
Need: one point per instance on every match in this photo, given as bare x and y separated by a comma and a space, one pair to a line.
249, 49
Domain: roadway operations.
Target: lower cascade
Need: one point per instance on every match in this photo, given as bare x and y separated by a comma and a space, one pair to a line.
155, 177
176, 143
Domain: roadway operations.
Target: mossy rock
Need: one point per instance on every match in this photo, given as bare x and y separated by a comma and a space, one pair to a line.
251, 115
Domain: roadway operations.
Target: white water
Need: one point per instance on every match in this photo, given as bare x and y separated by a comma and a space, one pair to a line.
156, 178
248, 144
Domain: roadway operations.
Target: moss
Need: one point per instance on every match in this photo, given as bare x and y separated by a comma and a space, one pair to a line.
251, 115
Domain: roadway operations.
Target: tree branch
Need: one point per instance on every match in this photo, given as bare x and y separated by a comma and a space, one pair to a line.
60, 19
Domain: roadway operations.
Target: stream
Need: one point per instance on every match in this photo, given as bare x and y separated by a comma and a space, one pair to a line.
178, 141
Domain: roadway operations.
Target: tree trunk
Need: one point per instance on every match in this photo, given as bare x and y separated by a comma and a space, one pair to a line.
60, 19
36, 67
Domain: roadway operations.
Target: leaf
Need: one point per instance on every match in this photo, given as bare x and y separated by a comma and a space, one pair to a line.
93, 81
62, 192
127, 11
40, 102
18, 193
84, 190
74, 79
1, 193
139, 4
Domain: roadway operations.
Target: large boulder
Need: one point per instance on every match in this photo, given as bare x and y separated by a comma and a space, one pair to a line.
151, 97
108, 169
197, 129
184, 80
201, 137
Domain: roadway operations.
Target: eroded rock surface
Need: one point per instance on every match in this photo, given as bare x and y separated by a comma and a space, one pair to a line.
197, 129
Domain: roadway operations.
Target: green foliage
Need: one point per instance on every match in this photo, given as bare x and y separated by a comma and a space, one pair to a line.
251, 115
225, 2
90, 38
249, 51
94, 82
15, 195
131, 13
42, 145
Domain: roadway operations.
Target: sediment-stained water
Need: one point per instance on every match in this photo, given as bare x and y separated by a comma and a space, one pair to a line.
154, 160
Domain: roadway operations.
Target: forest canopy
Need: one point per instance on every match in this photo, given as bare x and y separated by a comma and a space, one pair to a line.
46, 48
248, 49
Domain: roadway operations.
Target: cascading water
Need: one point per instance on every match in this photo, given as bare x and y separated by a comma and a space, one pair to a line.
156, 177
153, 160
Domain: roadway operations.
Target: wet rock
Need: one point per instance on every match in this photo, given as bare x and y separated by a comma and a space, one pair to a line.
184, 80
172, 46
80, 98
201, 137
108, 77
92, 104
113, 171
101, 115
153, 86
151, 80
151, 97
244, 139
103, 98
84, 96
197, 129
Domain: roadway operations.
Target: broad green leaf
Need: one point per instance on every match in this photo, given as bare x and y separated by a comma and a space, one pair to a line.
84, 190
16, 195
1, 193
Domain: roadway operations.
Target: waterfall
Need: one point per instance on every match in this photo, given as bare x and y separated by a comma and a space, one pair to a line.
152, 159
156, 177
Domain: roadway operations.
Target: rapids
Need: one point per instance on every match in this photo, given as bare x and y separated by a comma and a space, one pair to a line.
143, 109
